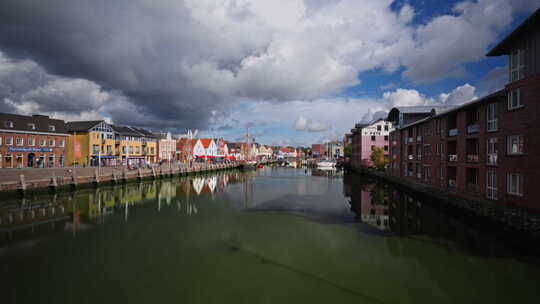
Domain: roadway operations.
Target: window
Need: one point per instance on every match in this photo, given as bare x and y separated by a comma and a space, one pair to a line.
62, 142
9, 141
386, 137
515, 144
31, 126
8, 124
0, 141
514, 184
52, 128
51, 142
372, 138
492, 151
19, 141
31, 141
42, 142
379, 128
517, 65
492, 117
386, 127
95, 149
385, 148
491, 185
515, 99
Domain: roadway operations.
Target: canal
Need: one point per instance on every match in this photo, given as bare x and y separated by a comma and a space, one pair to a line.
275, 235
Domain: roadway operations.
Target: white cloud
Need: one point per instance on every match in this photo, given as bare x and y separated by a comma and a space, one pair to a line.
459, 95
303, 124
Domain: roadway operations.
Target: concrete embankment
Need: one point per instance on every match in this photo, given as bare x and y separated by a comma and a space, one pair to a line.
509, 219
14, 180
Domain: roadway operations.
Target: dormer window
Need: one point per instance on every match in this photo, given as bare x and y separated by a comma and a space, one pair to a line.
517, 65
31, 126
52, 128
9, 124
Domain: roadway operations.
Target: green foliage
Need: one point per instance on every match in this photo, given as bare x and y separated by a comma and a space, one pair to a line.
377, 157
347, 150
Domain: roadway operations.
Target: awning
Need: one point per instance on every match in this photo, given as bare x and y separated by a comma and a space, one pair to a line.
205, 156
231, 157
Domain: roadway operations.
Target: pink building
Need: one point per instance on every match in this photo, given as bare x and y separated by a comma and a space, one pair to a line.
365, 138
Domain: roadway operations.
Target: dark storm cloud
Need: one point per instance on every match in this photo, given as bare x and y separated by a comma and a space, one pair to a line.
135, 48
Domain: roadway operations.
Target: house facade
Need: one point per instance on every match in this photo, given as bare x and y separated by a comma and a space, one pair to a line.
32, 141
166, 146
364, 139
489, 147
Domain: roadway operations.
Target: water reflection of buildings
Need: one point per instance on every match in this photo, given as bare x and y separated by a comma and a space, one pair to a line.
402, 214
74, 211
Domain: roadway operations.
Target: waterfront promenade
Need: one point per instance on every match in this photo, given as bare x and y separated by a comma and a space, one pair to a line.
34, 178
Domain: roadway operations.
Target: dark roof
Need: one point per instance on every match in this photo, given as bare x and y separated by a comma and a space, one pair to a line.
499, 93
81, 126
144, 132
41, 122
126, 131
504, 46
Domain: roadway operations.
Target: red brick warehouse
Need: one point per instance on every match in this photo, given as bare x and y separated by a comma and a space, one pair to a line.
489, 147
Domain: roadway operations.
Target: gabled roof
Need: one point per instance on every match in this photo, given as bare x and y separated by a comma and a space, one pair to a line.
144, 132
503, 47
82, 126
41, 122
206, 142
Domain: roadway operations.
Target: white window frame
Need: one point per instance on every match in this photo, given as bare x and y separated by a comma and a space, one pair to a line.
519, 103
9, 124
492, 150
491, 117
9, 141
516, 65
510, 146
31, 141
516, 190
52, 142
52, 128
19, 141
31, 126
1, 140
62, 143
491, 184
42, 142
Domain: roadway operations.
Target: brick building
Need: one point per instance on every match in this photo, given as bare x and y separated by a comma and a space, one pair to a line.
365, 137
32, 141
489, 147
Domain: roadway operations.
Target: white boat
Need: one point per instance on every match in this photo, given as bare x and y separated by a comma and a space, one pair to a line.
326, 164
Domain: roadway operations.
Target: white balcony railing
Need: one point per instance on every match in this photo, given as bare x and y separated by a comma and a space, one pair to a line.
411, 157
452, 158
410, 140
472, 158
492, 159
472, 129
452, 132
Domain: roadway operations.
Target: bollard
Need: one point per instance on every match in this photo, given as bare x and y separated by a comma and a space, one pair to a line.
96, 177
73, 179
53, 184
22, 184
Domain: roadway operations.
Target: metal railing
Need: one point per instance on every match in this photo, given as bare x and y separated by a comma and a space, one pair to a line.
492, 159
453, 132
472, 128
472, 158
452, 157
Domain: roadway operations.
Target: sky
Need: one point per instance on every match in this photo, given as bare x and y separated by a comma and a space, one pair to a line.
295, 72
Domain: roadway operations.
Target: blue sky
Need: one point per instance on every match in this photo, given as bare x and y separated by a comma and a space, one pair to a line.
297, 71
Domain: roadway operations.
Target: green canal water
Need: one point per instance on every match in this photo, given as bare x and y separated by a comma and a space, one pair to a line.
275, 235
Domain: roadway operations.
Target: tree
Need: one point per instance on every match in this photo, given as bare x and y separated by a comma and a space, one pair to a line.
347, 151
379, 160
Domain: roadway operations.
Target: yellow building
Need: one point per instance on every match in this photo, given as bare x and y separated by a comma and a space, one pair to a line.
89, 142
97, 142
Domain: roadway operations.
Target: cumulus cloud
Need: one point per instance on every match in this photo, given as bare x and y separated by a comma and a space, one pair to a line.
459, 95
183, 64
303, 124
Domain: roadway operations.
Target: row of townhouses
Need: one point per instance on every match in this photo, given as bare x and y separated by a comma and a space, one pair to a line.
488, 148
39, 141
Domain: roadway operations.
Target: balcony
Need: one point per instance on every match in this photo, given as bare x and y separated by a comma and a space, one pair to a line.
418, 138
411, 157
472, 158
117, 142
492, 159
452, 158
451, 183
419, 157
410, 140
452, 132
471, 129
